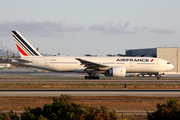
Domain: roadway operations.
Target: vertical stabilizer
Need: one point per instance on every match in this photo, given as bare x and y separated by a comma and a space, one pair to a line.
24, 47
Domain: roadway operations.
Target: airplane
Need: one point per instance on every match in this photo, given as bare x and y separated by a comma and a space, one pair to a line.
109, 66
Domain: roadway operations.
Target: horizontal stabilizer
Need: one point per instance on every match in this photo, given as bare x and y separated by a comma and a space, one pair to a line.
23, 60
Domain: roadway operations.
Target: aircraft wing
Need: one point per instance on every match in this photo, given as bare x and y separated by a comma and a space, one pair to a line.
90, 64
23, 60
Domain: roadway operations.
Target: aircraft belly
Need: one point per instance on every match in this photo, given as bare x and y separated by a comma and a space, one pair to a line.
142, 68
68, 67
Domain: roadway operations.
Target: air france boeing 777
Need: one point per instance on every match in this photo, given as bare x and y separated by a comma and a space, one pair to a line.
109, 66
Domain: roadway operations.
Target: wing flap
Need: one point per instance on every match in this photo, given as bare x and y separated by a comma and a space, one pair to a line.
90, 64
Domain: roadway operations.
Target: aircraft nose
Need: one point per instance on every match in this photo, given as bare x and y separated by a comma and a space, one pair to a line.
171, 66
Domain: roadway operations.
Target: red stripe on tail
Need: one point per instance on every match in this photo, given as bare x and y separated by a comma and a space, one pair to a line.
21, 51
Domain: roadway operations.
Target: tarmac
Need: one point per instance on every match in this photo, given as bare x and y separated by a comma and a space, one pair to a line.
94, 92
24, 72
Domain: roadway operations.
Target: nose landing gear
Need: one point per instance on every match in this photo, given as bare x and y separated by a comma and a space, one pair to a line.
158, 77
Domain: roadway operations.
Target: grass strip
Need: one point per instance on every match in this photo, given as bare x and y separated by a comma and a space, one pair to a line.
89, 86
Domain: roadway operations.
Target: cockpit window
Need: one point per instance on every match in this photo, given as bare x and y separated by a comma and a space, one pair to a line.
168, 63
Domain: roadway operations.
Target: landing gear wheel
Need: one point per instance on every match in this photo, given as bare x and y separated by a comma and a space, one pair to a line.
86, 77
158, 77
91, 77
97, 77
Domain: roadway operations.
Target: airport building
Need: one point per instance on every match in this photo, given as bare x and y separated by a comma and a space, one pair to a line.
172, 54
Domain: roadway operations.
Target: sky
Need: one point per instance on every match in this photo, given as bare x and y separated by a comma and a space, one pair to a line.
97, 27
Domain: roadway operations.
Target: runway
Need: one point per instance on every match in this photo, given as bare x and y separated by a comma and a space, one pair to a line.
31, 75
79, 81
27, 72
97, 92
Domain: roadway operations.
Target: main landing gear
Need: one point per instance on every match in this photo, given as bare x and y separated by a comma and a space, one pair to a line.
90, 76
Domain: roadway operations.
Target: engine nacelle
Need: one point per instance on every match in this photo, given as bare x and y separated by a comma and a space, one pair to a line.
116, 72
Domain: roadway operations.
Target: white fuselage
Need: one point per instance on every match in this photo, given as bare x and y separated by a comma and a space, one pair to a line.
131, 64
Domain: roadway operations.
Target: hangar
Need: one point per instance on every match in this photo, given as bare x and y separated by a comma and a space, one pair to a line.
172, 54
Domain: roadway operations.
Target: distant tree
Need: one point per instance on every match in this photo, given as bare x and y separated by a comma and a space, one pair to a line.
168, 111
9, 116
4, 116
121, 55
63, 108
110, 55
42, 118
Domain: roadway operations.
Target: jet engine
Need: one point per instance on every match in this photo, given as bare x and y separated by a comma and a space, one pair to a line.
116, 72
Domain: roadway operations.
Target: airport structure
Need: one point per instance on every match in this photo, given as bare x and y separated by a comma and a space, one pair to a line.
172, 54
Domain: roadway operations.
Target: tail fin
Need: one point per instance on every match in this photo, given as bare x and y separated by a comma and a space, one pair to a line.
24, 47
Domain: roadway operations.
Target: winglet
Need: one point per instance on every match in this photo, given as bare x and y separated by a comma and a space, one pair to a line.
24, 47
